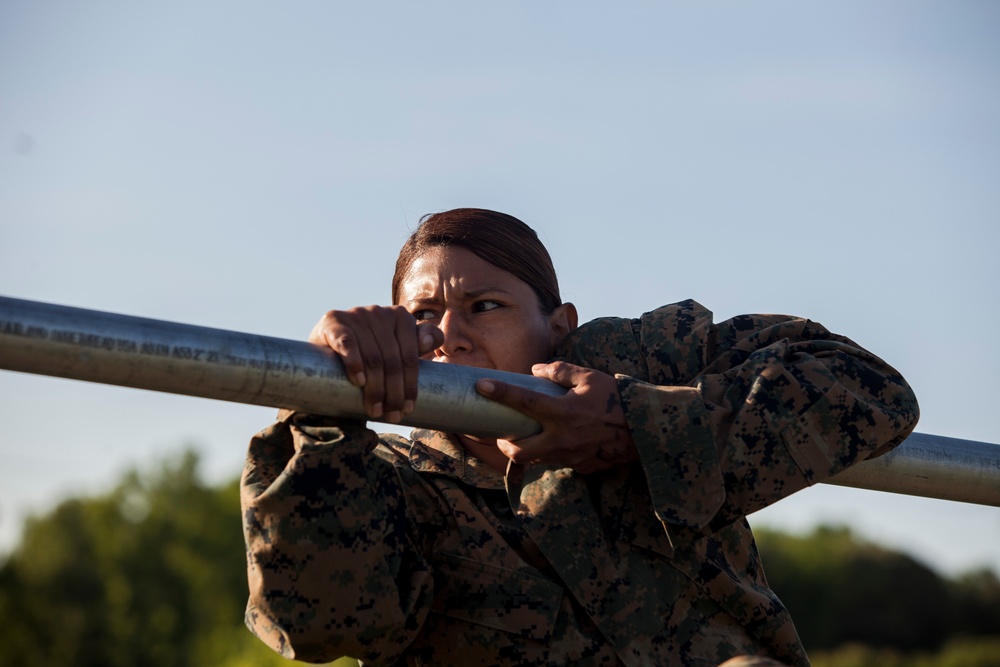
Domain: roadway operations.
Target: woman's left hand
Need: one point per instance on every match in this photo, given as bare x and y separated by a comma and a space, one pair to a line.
584, 430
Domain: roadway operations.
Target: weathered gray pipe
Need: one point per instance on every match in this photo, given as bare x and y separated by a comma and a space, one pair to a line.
260, 370
245, 368
932, 466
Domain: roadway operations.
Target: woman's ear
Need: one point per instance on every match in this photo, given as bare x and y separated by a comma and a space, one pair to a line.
563, 320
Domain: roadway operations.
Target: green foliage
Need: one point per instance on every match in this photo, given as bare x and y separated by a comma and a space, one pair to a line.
151, 574
965, 652
841, 590
977, 594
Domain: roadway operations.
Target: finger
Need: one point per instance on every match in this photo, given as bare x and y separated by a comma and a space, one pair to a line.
370, 354
409, 359
539, 449
394, 333
331, 332
354, 335
523, 400
521, 452
512, 451
429, 337
560, 372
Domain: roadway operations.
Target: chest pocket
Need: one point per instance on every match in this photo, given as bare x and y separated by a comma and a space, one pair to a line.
512, 601
638, 524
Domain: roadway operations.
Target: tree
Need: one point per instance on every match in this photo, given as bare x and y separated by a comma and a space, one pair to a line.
840, 589
150, 574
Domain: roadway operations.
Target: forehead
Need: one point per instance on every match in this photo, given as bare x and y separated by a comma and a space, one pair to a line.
456, 271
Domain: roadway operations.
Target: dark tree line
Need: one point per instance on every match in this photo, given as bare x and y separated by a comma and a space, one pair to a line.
153, 574
149, 574
841, 590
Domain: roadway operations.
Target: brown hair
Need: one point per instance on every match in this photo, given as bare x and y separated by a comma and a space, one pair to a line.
497, 238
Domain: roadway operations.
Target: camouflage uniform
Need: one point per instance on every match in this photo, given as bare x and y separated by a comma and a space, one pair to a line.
411, 551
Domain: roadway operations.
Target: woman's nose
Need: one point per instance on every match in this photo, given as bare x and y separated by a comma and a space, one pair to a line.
456, 335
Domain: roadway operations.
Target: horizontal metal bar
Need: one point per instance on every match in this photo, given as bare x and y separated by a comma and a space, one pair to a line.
932, 466
129, 351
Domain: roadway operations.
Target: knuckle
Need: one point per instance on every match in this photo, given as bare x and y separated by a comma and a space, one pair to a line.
361, 313
343, 341
509, 449
401, 313
383, 315
337, 318
373, 361
529, 399
392, 365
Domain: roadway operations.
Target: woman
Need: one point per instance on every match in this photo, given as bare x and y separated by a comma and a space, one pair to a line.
614, 536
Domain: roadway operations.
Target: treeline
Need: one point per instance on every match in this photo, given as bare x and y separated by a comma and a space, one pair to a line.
858, 604
153, 574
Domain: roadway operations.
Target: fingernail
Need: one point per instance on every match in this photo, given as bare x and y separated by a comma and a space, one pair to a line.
359, 378
486, 387
427, 341
407, 407
377, 410
394, 416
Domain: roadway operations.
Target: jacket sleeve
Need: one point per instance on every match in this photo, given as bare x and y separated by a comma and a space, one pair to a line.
729, 418
332, 561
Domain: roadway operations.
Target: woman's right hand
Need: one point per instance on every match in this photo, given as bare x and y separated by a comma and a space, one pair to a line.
380, 347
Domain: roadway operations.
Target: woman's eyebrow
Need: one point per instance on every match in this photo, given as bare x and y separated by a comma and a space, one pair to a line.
422, 300
470, 295
476, 293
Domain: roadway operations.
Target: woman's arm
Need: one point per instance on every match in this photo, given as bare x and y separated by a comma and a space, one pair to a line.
781, 403
333, 564
729, 418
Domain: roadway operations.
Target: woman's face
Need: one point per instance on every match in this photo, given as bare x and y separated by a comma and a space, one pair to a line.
489, 318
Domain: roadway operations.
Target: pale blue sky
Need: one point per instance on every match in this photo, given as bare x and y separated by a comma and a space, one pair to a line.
250, 165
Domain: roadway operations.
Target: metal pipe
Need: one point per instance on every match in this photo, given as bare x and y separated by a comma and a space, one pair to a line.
198, 361
260, 370
932, 466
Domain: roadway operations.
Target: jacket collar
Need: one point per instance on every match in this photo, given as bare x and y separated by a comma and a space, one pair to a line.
441, 453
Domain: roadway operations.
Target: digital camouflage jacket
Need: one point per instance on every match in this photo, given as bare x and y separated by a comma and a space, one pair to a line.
411, 551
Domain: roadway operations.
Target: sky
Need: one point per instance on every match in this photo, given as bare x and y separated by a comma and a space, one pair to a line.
250, 165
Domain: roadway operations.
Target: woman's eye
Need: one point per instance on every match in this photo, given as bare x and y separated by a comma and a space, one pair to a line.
485, 305
423, 315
